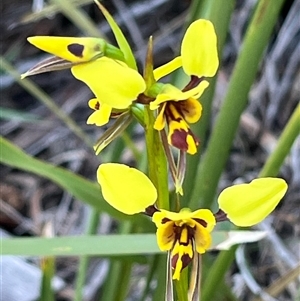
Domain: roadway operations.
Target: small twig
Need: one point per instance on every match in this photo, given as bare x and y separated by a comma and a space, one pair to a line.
23, 222
248, 277
281, 283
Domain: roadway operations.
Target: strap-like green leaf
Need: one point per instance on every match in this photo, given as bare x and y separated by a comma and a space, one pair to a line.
108, 245
81, 188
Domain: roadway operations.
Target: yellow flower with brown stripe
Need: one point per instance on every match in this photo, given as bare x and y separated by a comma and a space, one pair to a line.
185, 233
179, 108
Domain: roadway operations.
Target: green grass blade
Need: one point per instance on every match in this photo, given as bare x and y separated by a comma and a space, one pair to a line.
84, 190
78, 17
35, 91
120, 38
284, 145
104, 245
48, 269
119, 270
48, 11
16, 115
84, 260
256, 40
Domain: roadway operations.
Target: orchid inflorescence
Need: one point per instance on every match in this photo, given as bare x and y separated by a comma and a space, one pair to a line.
120, 90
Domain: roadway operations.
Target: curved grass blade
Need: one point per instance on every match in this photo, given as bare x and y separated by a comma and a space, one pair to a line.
120, 38
83, 189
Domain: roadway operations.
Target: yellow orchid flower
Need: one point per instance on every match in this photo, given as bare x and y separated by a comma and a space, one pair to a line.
185, 232
178, 108
114, 84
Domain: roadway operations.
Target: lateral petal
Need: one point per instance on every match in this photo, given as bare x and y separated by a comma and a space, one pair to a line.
249, 204
126, 189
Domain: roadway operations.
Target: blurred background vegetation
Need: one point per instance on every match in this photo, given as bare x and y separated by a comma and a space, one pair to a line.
46, 117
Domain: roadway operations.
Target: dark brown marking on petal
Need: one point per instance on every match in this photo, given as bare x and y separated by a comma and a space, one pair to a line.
186, 259
168, 111
184, 108
178, 230
179, 138
201, 222
174, 260
97, 105
76, 49
165, 220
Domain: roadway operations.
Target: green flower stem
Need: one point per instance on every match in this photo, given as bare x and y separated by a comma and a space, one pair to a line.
35, 91
235, 101
84, 260
219, 14
215, 275
159, 293
285, 142
119, 275
48, 268
271, 168
78, 17
153, 263
124, 281
157, 163
181, 286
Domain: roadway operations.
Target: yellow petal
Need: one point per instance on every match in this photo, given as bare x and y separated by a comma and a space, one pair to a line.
181, 137
167, 68
195, 92
111, 81
168, 93
184, 215
160, 120
202, 239
126, 189
181, 256
199, 49
171, 93
101, 115
248, 204
72, 49
165, 236
191, 110
207, 216
94, 104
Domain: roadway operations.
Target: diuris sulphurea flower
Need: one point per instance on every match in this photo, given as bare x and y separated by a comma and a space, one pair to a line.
178, 108
117, 86
187, 232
